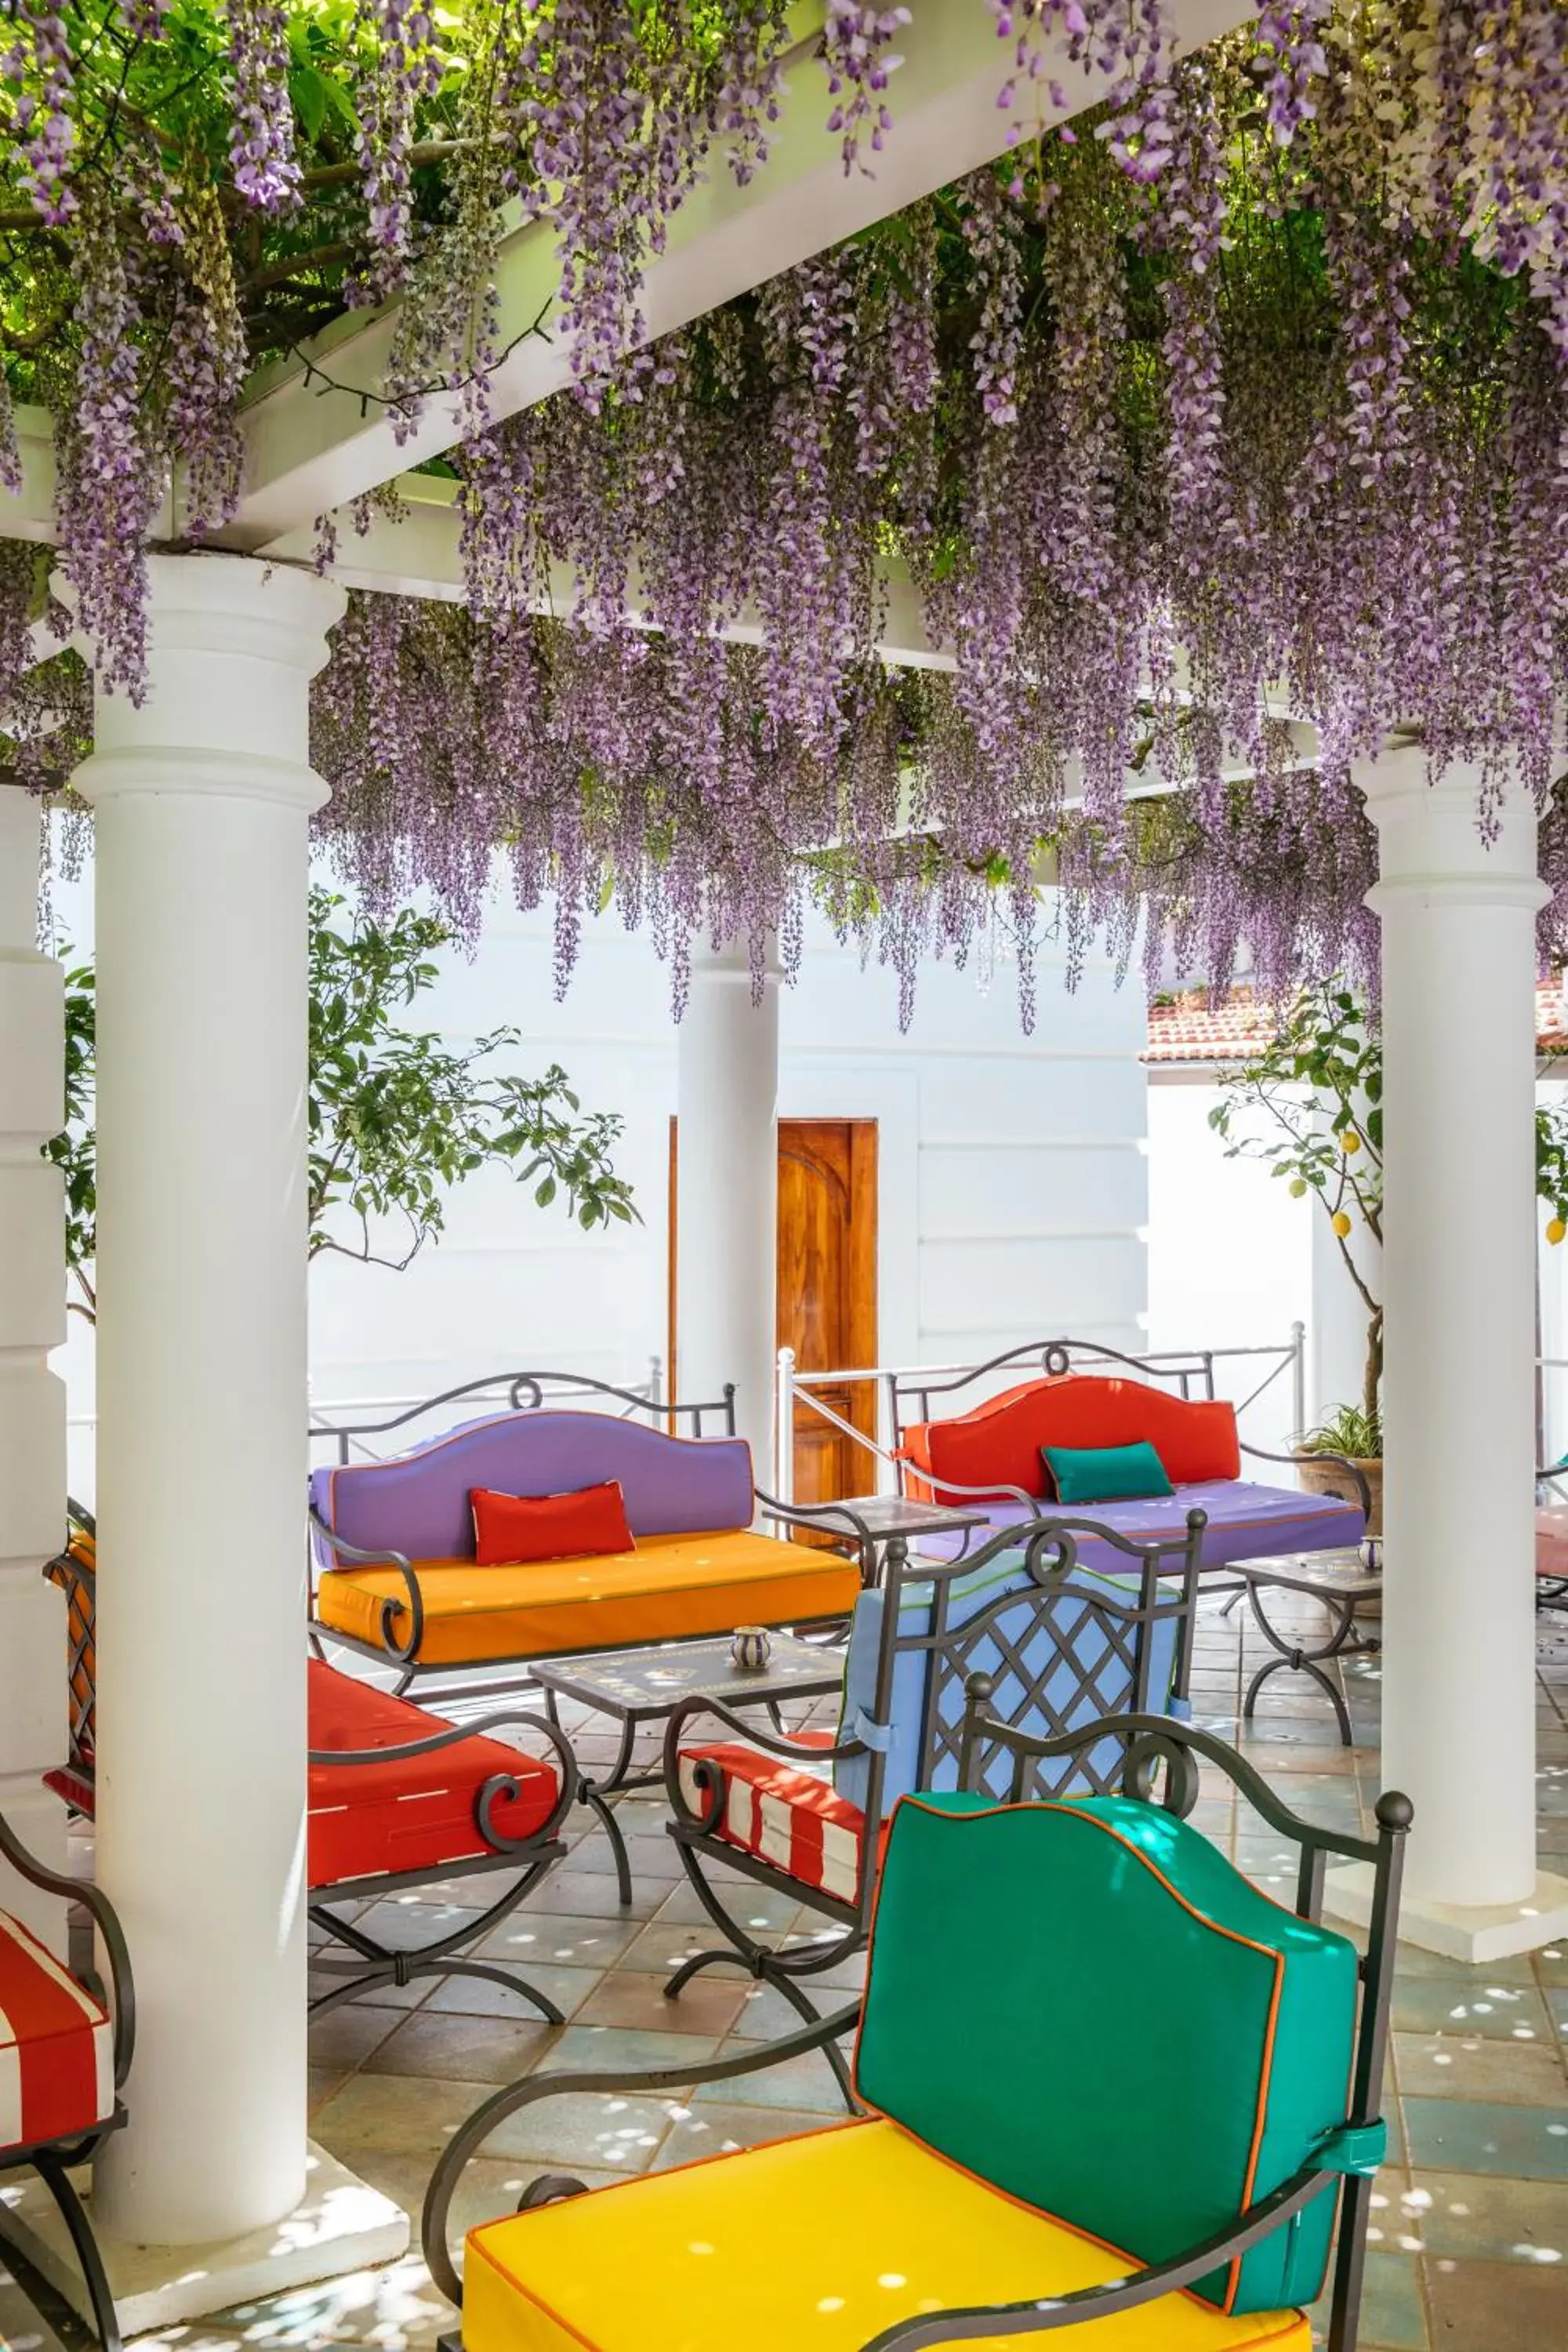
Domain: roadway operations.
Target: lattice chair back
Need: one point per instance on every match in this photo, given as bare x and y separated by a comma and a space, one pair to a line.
1063, 1645
76, 1573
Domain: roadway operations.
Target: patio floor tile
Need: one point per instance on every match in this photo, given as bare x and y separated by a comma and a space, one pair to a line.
1466, 2067
1464, 2214
462, 2049
1459, 2004
1502, 2306
1480, 2136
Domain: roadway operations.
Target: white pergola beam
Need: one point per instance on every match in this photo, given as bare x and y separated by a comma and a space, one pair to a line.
312, 445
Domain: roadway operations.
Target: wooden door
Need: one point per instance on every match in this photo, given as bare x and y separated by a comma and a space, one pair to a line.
827, 1292
826, 1288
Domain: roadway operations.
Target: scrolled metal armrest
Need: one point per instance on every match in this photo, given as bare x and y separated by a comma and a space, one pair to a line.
976, 1494
1046, 2314
500, 1784
406, 1653
771, 1743
105, 1918
1339, 1461
821, 1515
472, 2134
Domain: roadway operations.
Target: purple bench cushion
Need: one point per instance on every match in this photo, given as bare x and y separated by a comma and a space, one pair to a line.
1244, 1521
418, 1503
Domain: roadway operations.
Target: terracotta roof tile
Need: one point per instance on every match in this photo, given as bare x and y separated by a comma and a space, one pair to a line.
1184, 1028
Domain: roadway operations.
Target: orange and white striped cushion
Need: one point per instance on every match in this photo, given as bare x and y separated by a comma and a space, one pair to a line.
784, 1815
56, 2046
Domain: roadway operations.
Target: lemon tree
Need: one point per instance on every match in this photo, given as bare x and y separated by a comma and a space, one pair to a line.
1310, 1105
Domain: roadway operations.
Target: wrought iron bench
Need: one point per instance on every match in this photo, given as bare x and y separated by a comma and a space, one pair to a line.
63, 2057
1104, 2076
397, 1580
1067, 1643
989, 1456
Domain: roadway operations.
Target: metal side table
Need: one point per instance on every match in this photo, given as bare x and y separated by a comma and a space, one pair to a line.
1342, 1582
641, 1686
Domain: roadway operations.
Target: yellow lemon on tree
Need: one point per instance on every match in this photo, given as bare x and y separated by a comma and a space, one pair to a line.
1350, 1141
1555, 1230
1342, 1223
1298, 1186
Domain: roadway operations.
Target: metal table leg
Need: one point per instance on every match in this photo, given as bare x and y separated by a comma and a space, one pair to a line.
1344, 1640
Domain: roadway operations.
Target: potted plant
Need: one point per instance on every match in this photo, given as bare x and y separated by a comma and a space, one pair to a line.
1311, 1106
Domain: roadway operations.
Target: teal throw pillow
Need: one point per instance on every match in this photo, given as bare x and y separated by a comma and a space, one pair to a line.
1104, 1473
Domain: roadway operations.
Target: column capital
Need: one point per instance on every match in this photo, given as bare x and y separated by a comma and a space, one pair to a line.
1429, 836
232, 644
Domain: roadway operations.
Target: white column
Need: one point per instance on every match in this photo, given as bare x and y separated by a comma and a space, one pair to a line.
1458, 969
203, 799
727, 1235
32, 1399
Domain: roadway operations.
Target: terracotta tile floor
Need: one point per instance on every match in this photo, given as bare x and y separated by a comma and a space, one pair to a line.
1469, 2246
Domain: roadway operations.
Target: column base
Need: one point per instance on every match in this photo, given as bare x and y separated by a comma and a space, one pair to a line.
1474, 1933
340, 2224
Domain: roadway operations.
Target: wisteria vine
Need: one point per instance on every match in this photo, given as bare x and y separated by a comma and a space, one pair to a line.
1240, 397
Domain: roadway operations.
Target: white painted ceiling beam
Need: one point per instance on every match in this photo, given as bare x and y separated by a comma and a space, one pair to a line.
313, 446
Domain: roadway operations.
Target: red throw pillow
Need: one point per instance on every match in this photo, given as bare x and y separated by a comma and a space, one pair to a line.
511, 1529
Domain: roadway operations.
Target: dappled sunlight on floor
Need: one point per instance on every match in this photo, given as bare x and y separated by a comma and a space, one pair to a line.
1469, 2243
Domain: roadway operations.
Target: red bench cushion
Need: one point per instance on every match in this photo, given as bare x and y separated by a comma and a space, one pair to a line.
999, 1444
57, 2045
414, 1814
785, 1814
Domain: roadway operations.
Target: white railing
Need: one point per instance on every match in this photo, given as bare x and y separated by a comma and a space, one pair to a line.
796, 1391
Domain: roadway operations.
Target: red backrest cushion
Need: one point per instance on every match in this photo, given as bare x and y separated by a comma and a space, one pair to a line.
514, 1529
999, 1443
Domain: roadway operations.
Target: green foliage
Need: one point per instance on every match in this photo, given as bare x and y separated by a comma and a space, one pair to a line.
395, 1117
73, 1149
1311, 1107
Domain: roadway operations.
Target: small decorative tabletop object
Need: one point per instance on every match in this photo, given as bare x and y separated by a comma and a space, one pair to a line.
750, 1648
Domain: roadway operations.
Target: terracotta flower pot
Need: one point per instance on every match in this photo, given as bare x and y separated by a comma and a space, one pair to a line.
1320, 1477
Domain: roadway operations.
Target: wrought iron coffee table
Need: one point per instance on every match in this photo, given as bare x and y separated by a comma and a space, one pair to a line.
1342, 1582
641, 1686
873, 1521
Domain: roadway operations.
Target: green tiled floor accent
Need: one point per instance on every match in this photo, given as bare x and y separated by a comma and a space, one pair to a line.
1468, 2251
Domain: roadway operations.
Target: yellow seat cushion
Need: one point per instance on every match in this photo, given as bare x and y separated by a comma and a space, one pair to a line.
810, 2245
669, 1588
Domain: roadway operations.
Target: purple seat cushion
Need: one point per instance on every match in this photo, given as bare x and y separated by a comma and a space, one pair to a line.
418, 1502
1245, 1522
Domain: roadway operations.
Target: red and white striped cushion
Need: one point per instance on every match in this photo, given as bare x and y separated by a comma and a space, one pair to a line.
784, 1815
56, 2046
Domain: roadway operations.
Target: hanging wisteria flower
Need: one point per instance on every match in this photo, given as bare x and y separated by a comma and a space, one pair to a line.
403, 65
37, 77
856, 47
261, 144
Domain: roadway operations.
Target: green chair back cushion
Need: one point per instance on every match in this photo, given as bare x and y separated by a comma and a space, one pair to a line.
1087, 2005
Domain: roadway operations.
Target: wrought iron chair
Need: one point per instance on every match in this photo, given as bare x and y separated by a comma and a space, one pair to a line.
386, 1820
1065, 1644
64, 2058
1104, 2076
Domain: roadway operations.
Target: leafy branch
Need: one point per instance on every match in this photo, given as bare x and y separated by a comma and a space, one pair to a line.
396, 1118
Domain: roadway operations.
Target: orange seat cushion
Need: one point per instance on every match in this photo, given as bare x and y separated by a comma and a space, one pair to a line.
415, 1813
669, 1588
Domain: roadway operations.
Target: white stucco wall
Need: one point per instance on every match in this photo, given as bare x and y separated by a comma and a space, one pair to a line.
1013, 1172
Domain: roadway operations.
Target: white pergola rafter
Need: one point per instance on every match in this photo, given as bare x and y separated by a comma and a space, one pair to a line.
317, 433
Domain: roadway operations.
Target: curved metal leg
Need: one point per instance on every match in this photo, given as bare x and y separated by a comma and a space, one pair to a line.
1307, 1662
402, 1967
57, 2182
807, 2011
592, 1796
